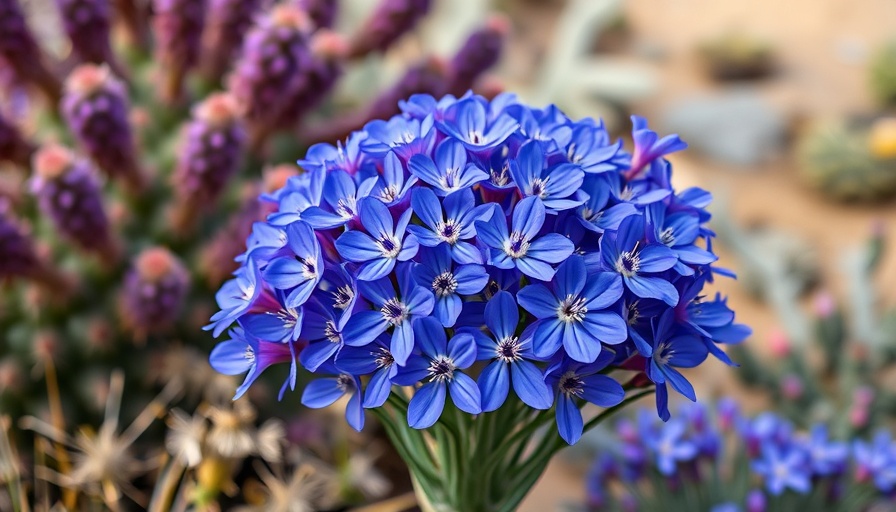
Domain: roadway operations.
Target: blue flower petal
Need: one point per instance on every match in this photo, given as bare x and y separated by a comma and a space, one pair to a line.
529, 385
426, 405
569, 420
602, 391
494, 384
465, 393
321, 393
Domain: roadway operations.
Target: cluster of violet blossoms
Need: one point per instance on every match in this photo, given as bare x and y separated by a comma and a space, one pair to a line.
728, 454
473, 247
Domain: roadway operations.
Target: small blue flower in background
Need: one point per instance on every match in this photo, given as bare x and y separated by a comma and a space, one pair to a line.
783, 468
531, 241
324, 392
511, 358
441, 362
575, 312
382, 246
670, 447
519, 247
575, 381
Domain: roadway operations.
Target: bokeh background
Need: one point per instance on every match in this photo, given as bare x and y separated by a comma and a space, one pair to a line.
785, 106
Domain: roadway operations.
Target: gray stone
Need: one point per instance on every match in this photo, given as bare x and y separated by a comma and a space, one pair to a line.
736, 127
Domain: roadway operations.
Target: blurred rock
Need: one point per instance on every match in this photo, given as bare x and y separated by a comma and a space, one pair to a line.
736, 127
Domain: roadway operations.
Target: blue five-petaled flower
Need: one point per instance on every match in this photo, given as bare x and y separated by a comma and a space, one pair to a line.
521, 247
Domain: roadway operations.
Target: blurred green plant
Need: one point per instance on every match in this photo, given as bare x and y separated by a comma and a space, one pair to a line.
833, 365
882, 73
737, 56
850, 160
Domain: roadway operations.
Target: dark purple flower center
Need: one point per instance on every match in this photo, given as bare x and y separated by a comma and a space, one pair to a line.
508, 349
667, 237
394, 311
571, 384
345, 382
444, 284
383, 358
389, 246
332, 334
572, 309
516, 246
629, 262
448, 231
309, 270
343, 296
633, 313
539, 187
442, 369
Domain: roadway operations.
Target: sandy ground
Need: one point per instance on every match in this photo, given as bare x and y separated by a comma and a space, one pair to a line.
823, 47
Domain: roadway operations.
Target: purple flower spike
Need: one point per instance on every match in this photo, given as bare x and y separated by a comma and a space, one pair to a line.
19, 258
95, 106
479, 52
20, 51
13, 147
87, 24
178, 28
227, 24
210, 155
273, 66
154, 292
68, 193
328, 50
389, 21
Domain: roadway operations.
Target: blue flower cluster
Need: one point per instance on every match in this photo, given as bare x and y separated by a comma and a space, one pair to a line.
475, 247
766, 451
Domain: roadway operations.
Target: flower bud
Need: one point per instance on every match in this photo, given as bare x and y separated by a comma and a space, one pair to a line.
824, 305
95, 107
68, 193
227, 24
154, 291
792, 387
87, 24
480, 51
177, 25
13, 146
389, 21
779, 344
209, 155
756, 501
273, 66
